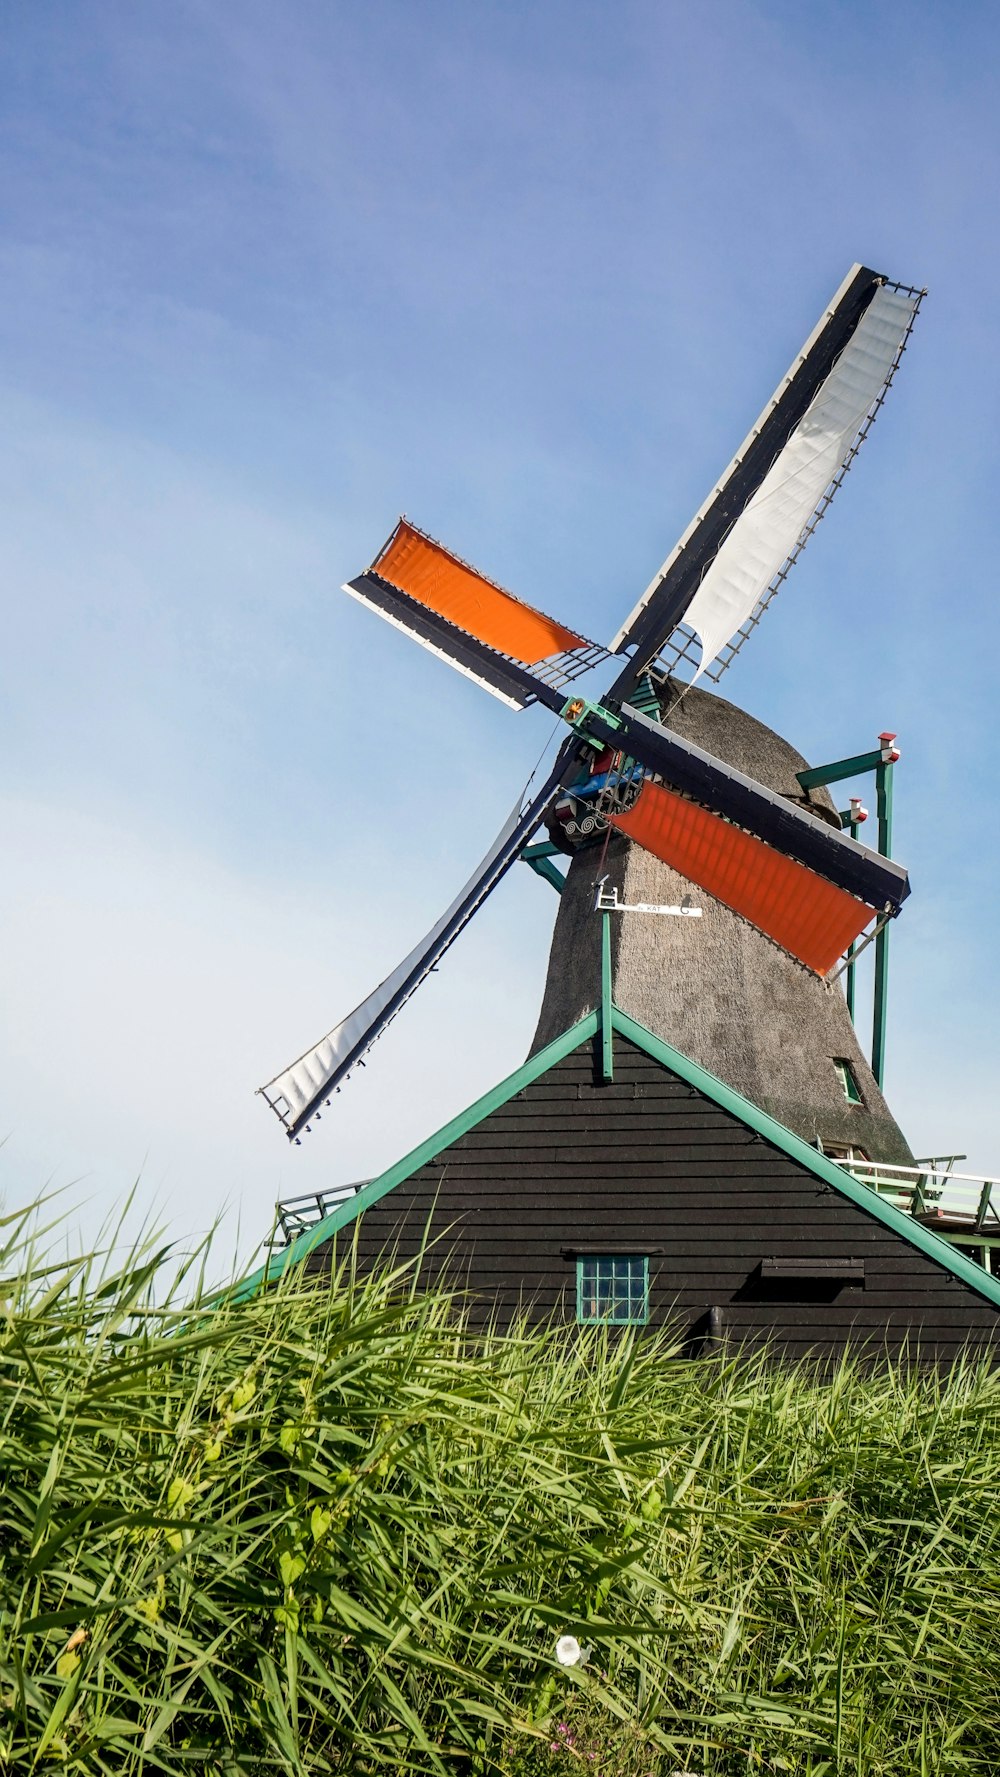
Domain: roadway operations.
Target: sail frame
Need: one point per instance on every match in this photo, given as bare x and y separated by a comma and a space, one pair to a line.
655, 629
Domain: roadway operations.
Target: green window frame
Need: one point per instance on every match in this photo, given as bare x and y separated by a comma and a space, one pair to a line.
845, 1073
612, 1287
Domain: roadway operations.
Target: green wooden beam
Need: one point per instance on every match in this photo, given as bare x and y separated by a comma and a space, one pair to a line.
851, 948
539, 859
880, 760
883, 791
607, 1031
841, 768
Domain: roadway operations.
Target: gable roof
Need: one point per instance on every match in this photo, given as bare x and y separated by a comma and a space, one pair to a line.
932, 1245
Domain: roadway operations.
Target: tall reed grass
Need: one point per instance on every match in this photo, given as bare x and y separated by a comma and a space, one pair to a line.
327, 1531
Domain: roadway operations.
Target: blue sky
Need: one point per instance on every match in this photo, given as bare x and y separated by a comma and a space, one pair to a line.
274, 275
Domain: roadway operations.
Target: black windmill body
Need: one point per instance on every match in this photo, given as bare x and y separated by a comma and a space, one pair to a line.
689, 794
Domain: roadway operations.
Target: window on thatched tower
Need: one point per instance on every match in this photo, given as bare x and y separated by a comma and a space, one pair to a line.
845, 1074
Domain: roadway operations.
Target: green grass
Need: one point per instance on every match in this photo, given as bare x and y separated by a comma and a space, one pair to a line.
326, 1531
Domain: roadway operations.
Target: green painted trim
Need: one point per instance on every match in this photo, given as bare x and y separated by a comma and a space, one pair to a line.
347, 1212
841, 768
607, 1023
543, 849
547, 870
611, 1320
643, 697
934, 1246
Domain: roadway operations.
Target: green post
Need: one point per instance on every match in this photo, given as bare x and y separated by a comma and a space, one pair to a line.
984, 1207
607, 1049
855, 827
883, 791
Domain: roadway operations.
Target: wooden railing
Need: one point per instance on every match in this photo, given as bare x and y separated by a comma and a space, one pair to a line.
293, 1215
955, 1202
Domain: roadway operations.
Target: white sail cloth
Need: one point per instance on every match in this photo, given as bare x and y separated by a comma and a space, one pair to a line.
772, 523
290, 1092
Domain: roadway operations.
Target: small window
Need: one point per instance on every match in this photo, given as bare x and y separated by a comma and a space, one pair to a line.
845, 1074
614, 1288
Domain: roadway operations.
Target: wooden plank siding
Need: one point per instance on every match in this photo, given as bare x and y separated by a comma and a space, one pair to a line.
649, 1162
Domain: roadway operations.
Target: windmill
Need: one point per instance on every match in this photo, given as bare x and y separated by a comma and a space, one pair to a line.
779, 864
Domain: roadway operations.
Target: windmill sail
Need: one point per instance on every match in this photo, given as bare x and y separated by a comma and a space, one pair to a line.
470, 621
741, 544
296, 1093
506, 679
808, 916
782, 824
775, 521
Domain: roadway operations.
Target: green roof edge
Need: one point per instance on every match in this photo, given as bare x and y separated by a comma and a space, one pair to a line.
346, 1212
932, 1245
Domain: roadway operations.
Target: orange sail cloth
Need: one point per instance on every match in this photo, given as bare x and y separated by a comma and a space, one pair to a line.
436, 578
805, 914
